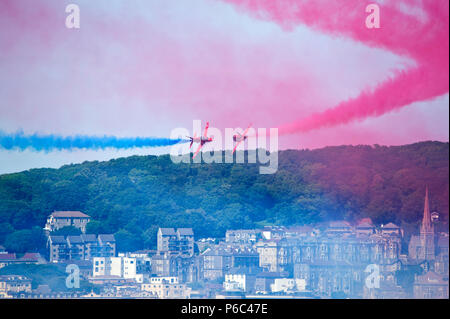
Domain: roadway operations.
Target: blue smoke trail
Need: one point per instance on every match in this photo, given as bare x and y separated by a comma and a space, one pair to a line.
20, 141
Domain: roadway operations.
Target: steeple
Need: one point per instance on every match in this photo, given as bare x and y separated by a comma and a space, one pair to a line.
426, 227
427, 233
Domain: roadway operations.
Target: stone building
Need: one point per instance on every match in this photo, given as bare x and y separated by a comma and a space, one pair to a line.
218, 260
60, 219
431, 286
429, 246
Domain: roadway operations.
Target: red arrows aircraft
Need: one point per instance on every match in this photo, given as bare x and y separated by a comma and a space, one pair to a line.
240, 138
201, 140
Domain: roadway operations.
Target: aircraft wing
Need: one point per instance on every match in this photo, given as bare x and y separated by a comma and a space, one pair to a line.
198, 150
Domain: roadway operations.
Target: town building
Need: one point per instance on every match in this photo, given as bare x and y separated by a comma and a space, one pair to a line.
122, 266
180, 241
242, 236
264, 281
431, 286
81, 247
218, 260
60, 219
429, 246
240, 279
11, 285
288, 285
166, 288
28, 258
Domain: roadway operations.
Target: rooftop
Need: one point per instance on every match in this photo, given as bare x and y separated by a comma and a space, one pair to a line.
57, 239
167, 231
10, 256
106, 237
75, 239
185, 231
390, 226
69, 214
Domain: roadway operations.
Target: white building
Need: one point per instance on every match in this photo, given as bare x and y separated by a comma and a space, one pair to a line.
239, 282
123, 267
288, 285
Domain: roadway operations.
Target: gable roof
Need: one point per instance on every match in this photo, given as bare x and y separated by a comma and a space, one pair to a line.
31, 256
390, 226
88, 238
75, 239
185, 231
57, 239
69, 214
365, 225
167, 231
106, 237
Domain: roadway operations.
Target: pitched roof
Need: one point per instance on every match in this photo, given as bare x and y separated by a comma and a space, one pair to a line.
365, 225
88, 238
69, 214
31, 256
106, 237
185, 231
75, 239
390, 226
57, 239
167, 231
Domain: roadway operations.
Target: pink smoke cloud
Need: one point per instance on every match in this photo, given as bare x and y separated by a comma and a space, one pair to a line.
130, 74
426, 41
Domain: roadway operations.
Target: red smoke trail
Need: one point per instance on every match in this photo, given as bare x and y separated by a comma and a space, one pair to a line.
423, 38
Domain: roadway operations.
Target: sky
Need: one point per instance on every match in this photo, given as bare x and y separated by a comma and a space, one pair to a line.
143, 68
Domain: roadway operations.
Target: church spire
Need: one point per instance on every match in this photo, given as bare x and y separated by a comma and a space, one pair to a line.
426, 221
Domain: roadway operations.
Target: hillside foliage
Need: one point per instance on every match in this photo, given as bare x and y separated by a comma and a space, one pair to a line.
131, 197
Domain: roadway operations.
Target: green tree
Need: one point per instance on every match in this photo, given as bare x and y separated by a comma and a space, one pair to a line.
127, 241
5, 230
150, 237
25, 240
95, 227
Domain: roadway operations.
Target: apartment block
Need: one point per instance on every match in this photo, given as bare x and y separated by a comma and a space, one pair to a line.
82, 247
179, 241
